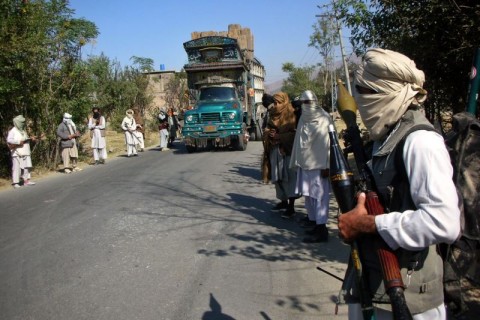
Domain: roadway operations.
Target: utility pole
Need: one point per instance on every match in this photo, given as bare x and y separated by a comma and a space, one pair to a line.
344, 58
342, 49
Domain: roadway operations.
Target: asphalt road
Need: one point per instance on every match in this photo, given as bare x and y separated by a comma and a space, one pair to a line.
167, 235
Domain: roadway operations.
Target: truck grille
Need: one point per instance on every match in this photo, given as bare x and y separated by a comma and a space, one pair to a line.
213, 117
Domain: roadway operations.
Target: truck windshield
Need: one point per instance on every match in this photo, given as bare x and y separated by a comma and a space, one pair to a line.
217, 93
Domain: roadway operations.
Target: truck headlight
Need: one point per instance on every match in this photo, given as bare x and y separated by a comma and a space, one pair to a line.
189, 118
231, 116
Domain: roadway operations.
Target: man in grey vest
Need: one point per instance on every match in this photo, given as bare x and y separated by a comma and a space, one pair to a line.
68, 133
414, 181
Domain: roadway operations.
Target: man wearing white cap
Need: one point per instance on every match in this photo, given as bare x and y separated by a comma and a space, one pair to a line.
67, 133
129, 126
19, 144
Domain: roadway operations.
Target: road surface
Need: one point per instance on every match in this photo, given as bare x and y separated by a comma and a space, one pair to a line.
167, 235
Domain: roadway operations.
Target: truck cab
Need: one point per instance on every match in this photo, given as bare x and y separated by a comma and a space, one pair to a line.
217, 119
219, 82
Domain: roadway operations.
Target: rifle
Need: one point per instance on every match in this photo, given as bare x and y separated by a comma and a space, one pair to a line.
388, 260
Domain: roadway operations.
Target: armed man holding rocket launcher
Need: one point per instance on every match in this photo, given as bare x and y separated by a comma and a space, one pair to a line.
412, 174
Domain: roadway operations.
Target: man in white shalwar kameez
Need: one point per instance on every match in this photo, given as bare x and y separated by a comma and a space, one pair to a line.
163, 128
19, 143
97, 126
310, 155
129, 127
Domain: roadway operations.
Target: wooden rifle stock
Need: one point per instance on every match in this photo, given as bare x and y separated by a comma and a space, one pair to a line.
392, 278
388, 260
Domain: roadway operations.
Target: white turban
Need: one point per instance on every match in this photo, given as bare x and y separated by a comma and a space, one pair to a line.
67, 118
397, 83
19, 122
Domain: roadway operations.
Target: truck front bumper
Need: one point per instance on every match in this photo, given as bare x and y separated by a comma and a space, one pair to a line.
219, 134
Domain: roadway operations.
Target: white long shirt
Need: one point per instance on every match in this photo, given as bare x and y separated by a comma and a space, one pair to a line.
433, 192
15, 136
129, 125
98, 142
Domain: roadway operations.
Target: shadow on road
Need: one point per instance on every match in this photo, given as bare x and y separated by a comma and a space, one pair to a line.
216, 311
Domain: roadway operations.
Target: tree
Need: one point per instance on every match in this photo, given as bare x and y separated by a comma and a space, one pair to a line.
42, 75
300, 79
142, 64
324, 39
115, 89
440, 36
175, 92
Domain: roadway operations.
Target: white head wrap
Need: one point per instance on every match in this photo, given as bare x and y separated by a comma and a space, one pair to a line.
67, 118
311, 145
397, 83
19, 122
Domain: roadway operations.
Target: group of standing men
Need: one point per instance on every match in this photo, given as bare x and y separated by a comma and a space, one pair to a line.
68, 135
296, 146
18, 141
411, 169
168, 126
133, 126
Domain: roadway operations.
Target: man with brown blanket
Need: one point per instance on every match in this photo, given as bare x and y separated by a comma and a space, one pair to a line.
278, 142
267, 102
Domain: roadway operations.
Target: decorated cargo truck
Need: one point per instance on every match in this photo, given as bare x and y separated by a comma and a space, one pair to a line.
221, 86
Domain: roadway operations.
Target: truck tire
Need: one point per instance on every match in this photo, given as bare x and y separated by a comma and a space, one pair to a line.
191, 149
258, 133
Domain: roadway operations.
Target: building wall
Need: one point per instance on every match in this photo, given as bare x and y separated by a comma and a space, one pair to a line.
156, 86
258, 73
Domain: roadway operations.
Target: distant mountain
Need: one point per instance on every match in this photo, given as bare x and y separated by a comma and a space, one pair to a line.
276, 86
273, 87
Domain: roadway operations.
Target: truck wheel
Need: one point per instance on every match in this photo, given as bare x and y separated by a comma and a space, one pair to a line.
191, 149
258, 134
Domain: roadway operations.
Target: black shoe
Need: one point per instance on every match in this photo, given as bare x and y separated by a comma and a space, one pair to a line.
281, 205
290, 213
320, 234
307, 223
311, 232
